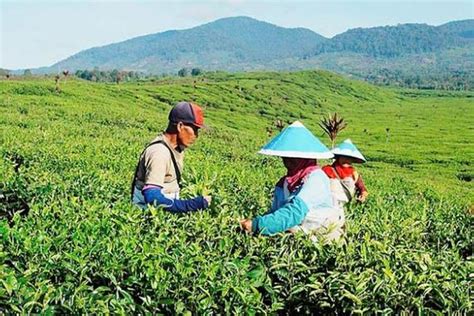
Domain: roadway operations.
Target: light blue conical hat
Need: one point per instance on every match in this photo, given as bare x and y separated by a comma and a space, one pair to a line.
348, 149
296, 141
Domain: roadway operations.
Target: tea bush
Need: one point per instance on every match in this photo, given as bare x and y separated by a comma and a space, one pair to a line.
68, 158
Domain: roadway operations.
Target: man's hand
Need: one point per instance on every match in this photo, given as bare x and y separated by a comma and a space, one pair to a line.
246, 225
208, 199
362, 197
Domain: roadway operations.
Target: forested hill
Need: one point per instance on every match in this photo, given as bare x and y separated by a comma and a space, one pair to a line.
229, 43
392, 41
243, 43
464, 28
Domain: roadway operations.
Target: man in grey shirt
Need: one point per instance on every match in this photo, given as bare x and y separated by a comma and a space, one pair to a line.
158, 173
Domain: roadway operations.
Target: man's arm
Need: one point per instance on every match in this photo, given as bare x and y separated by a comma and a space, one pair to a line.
154, 196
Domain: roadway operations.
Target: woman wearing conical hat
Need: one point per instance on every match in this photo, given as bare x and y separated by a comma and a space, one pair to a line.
302, 199
346, 182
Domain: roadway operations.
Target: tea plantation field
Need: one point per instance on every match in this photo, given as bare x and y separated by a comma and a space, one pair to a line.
78, 246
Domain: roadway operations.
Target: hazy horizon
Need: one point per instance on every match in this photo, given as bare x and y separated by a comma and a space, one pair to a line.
45, 29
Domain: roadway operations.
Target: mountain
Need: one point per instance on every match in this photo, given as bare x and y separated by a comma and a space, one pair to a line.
464, 28
230, 43
410, 55
415, 55
403, 39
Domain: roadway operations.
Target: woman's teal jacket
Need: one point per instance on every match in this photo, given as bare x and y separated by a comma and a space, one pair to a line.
289, 209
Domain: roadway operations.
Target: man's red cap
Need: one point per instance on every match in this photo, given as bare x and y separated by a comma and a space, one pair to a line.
187, 112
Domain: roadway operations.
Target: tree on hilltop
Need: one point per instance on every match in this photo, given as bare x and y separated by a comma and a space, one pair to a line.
196, 72
183, 72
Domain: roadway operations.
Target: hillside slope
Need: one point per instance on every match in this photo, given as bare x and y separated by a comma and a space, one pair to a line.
67, 159
229, 43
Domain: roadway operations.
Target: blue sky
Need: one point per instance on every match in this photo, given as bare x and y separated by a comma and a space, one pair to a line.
40, 33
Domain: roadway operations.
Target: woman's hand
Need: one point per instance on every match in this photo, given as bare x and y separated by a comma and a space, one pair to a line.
362, 197
246, 225
208, 199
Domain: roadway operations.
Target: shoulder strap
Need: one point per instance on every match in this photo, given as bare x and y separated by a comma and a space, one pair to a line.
175, 164
344, 186
173, 159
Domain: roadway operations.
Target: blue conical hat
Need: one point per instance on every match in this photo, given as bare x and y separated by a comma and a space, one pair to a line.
296, 141
348, 149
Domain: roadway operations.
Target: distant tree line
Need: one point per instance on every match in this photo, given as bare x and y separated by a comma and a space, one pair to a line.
456, 80
120, 75
109, 75
442, 80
